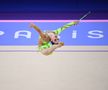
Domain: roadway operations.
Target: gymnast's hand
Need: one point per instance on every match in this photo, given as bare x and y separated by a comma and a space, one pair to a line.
76, 22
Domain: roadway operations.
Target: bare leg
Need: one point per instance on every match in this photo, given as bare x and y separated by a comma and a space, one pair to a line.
48, 51
38, 30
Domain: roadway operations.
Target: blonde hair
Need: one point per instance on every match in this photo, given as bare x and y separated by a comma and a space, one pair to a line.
49, 31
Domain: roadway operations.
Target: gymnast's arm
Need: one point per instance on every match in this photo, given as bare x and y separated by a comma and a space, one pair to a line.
59, 30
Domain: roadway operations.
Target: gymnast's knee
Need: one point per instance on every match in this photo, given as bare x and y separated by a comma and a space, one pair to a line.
45, 52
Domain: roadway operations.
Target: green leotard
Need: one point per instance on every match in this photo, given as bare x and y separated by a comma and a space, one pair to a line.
57, 31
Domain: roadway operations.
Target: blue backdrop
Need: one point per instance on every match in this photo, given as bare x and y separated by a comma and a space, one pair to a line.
85, 33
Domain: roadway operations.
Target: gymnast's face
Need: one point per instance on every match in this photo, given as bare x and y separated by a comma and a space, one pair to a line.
54, 38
